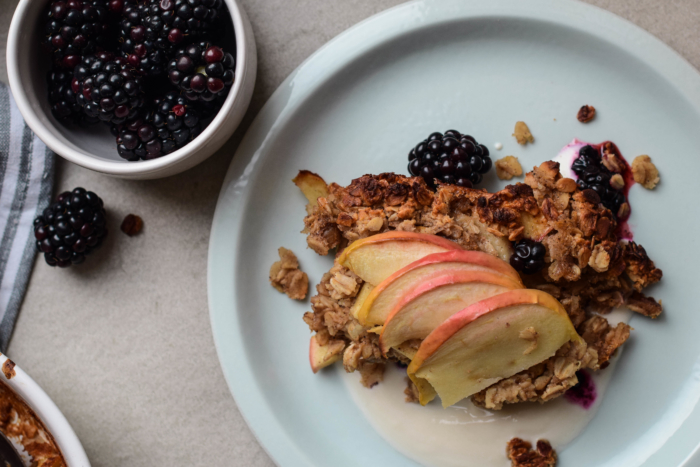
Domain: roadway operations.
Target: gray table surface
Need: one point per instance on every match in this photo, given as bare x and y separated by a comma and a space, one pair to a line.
123, 344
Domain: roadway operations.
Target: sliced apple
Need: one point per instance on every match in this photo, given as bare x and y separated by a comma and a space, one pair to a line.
377, 257
320, 356
441, 295
493, 244
379, 304
488, 341
311, 185
360, 299
407, 350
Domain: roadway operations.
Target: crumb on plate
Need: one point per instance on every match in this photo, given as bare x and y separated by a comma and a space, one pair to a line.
586, 114
521, 453
645, 172
508, 167
522, 133
286, 276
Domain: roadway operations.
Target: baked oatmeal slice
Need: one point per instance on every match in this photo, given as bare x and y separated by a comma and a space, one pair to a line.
588, 269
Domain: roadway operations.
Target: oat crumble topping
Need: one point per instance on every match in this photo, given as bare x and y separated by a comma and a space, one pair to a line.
589, 270
521, 453
286, 276
508, 167
586, 114
645, 172
522, 133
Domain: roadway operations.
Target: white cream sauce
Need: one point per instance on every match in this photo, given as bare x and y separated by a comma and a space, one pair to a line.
465, 435
567, 156
498, 146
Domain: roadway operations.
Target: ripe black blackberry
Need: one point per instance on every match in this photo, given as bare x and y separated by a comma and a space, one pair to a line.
528, 257
140, 52
63, 99
75, 28
203, 71
170, 124
594, 175
108, 89
452, 158
169, 22
71, 228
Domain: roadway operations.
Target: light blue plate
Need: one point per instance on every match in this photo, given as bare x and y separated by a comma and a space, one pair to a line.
360, 103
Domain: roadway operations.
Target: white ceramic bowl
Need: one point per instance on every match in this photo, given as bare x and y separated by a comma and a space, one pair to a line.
52, 418
94, 147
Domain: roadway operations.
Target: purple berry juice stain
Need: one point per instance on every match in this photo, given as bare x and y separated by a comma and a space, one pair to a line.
584, 393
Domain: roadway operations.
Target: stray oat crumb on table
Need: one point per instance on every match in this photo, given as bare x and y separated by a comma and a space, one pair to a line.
286, 276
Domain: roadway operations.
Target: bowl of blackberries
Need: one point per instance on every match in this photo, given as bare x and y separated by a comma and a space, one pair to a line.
132, 88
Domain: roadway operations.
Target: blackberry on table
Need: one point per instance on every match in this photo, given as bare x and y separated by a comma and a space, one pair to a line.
71, 228
528, 257
451, 158
595, 176
108, 89
203, 71
75, 28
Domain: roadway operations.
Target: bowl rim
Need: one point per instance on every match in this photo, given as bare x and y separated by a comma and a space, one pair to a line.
124, 168
49, 414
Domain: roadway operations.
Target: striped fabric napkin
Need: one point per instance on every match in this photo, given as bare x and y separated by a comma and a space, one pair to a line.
26, 181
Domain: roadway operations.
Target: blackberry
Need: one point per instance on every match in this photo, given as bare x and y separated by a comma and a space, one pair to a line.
63, 99
452, 158
203, 71
172, 122
141, 53
108, 89
592, 174
71, 228
75, 28
169, 22
528, 257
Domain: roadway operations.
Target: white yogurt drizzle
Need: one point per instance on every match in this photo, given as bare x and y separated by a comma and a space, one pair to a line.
465, 435
567, 156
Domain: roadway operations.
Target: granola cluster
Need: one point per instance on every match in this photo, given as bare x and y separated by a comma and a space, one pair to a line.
508, 167
286, 276
589, 270
645, 172
521, 453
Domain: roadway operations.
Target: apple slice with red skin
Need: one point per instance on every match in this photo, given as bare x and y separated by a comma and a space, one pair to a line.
377, 306
321, 356
377, 257
489, 341
422, 309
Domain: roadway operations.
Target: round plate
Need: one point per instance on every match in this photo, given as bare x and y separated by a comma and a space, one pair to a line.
360, 103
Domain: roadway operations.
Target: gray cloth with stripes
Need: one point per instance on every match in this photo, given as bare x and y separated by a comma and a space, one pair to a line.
26, 181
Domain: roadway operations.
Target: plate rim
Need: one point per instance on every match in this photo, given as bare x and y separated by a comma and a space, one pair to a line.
321, 66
